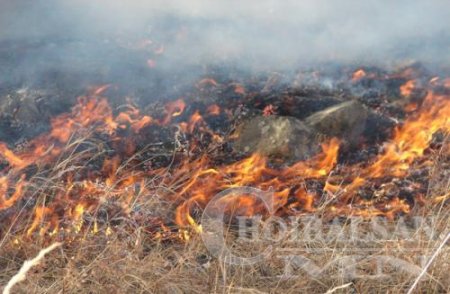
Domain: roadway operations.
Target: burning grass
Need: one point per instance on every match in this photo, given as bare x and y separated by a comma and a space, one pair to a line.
128, 213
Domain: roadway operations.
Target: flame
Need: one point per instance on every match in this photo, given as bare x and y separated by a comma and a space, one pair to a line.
130, 118
7, 202
40, 215
407, 88
269, 110
173, 109
195, 119
213, 109
78, 193
252, 171
357, 75
12, 158
409, 143
411, 140
77, 213
94, 113
442, 198
239, 89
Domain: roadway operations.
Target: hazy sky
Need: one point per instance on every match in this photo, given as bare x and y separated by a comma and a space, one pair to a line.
258, 31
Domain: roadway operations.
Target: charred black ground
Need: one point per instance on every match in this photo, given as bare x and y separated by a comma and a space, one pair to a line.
30, 102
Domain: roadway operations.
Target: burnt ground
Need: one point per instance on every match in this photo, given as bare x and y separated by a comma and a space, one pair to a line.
34, 93
43, 79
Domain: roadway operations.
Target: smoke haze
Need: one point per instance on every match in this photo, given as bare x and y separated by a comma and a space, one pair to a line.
266, 33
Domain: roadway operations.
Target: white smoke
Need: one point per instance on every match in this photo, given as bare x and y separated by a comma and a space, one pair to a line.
264, 32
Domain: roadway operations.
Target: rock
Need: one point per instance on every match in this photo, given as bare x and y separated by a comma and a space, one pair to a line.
27, 112
276, 136
346, 120
291, 139
302, 106
26, 108
22, 107
412, 69
378, 127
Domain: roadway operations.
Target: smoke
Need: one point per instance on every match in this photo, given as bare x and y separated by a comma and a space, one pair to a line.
257, 33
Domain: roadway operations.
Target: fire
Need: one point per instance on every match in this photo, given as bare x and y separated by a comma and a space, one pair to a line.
408, 144
407, 88
359, 74
239, 89
7, 202
411, 140
213, 109
95, 113
269, 110
253, 171
174, 109
77, 193
195, 119
12, 159
130, 118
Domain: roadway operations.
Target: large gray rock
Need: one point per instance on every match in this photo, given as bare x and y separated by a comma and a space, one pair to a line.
276, 136
21, 112
303, 106
346, 120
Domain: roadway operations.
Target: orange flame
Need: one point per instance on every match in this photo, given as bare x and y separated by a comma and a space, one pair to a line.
408, 144
357, 75
7, 202
173, 109
213, 109
196, 181
407, 88
252, 171
239, 89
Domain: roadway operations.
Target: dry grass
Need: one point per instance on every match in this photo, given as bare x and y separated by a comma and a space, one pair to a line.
128, 261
